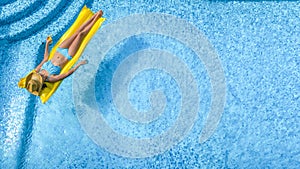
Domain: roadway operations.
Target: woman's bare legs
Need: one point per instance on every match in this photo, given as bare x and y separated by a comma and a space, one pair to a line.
81, 35
75, 40
66, 43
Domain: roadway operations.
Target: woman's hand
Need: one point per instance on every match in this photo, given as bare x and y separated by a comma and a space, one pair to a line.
83, 62
49, 40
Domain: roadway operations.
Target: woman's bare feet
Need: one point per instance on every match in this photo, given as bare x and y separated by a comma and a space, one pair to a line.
99, 14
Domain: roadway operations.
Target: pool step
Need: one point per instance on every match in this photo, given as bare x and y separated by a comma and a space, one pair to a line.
34, 22
19, 9
5, 2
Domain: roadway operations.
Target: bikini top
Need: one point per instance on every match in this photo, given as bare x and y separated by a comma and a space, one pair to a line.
50, 68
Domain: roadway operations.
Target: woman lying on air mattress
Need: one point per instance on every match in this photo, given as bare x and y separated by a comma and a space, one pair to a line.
46, 77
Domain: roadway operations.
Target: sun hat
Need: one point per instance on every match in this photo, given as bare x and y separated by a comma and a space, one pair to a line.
34, 83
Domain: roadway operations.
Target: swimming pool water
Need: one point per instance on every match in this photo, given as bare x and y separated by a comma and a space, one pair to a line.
256, 42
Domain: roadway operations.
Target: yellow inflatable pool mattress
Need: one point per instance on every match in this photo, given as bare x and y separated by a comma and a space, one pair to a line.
84, 15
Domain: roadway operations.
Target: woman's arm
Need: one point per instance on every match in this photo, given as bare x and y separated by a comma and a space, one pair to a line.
59, 77
46, 54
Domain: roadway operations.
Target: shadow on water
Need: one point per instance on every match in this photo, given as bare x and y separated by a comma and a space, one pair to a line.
4, 97
30, 114
110, 64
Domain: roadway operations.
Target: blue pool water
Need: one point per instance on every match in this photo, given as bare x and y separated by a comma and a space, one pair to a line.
157, 79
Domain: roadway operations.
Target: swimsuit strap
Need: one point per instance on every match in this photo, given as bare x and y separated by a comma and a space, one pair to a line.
47, 78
